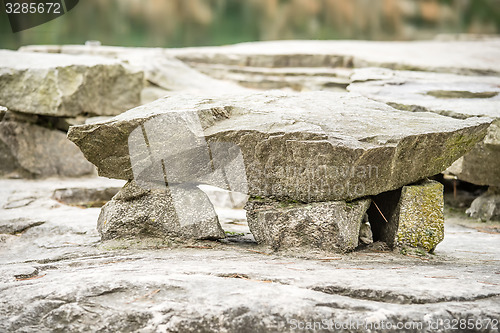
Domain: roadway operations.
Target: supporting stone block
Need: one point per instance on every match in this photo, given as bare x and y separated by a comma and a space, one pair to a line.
330, 226
414, 216
173, 212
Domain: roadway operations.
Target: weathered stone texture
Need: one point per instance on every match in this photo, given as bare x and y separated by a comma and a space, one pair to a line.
65, 85
86, 197
29, 150
174, 212
163, 71
330, 226
481, 165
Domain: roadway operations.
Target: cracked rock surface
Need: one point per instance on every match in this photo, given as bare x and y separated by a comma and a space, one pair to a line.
360, 147
57, 276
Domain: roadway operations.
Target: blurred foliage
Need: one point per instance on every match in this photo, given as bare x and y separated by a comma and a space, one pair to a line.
177, 23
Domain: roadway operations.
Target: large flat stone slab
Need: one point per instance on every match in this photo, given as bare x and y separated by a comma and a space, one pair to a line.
451, 95
315, 146
64, 85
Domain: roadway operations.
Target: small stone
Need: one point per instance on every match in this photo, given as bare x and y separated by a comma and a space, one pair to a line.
487, 206
86, 197
330, 226
174, 212
24, 272
365, 231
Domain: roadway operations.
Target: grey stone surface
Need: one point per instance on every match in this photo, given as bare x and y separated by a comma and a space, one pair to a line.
330, 226
65, 85
463, 57
175, 212
487, 206
416, 218
29, 150
315, 146
84, 285
451, 95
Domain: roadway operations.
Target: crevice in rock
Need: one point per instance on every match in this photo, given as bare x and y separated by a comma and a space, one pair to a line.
227, 204
420, 108
388, 296
336, 305
461, 94
48, 122
379, 213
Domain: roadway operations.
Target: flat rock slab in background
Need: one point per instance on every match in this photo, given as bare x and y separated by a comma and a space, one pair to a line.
166, 73
315, 146
451, 95
29, 150
463, 57
58, 277
67, 86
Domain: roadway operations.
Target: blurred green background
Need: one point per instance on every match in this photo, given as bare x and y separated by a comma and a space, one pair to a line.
178, 23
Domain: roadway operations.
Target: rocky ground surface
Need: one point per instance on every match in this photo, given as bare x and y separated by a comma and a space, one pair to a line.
56, 275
